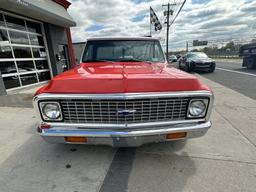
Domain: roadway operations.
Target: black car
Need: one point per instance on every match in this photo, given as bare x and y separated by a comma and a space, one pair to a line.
193, 61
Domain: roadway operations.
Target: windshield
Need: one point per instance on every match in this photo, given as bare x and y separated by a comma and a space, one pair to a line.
123, 50
197, 55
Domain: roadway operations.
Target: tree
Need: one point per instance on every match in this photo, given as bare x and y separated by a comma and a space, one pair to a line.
230, 46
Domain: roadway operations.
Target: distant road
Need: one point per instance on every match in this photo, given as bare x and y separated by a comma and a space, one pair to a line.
230, 73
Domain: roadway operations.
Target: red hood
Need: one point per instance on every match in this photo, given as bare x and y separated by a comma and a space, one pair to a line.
122, 77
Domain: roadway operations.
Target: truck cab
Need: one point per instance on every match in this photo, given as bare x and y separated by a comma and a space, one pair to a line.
248, 53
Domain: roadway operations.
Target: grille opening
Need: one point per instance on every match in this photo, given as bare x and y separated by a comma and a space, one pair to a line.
132, 110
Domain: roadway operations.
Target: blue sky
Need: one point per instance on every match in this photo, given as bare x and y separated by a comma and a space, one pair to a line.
199, 19
94, 27
200, 1
139, 17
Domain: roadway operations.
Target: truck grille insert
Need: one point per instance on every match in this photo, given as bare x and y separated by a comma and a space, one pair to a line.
124, 111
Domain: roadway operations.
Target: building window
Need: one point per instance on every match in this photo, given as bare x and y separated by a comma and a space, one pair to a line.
22, 52
39, 52
44, 76
18, 38
5, 52
3, 37
36, 40
1, 20
25, 66
11, 81
28, 79
15, 23
34, 27
41, 64
23, 56
8, 67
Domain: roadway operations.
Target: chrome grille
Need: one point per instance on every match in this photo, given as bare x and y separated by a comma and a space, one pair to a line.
124, 111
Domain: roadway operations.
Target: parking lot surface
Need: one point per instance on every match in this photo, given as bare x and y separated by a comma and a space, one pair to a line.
223, 160
230, 73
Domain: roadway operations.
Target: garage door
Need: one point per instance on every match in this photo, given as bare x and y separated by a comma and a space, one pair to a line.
23, 55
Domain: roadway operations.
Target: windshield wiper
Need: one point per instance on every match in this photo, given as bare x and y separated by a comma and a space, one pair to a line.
98, 60
133, 60
119, 60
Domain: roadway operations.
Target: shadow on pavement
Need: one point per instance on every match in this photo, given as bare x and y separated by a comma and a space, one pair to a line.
117, 177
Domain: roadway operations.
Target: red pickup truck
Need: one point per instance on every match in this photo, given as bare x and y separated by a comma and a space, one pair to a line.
123, 94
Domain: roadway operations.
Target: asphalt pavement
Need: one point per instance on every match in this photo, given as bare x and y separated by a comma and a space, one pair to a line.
223, 160
231, 74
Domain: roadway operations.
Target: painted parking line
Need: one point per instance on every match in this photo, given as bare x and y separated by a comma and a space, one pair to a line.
233, 71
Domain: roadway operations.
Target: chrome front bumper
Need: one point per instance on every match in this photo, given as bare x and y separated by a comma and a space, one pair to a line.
124, 137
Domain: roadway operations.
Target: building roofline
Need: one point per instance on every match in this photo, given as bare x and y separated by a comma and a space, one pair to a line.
63, 3
45, 11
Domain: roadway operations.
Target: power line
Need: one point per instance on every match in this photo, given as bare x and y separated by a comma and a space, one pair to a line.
173, 5
176, 7
178, 12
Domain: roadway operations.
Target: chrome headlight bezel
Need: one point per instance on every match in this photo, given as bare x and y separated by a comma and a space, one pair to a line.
44, 117
204, 101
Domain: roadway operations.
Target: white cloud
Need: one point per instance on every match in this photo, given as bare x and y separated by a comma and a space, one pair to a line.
217, 19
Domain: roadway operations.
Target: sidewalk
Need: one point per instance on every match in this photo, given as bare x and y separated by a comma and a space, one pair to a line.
223, 160
236, 109
19, 98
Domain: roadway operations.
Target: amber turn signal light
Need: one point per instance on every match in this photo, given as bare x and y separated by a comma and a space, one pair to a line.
76, 139
176, 135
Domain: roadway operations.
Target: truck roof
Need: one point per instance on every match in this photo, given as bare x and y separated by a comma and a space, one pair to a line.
122, 38
248, 46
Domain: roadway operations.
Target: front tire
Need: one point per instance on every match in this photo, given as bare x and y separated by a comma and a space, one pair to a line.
188, 68
250, 63
212, 69
180, 65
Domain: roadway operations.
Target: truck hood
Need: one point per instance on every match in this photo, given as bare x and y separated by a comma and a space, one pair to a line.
201, 60
122, 77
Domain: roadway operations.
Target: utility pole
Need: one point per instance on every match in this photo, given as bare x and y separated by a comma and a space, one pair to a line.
149, 23
167, 14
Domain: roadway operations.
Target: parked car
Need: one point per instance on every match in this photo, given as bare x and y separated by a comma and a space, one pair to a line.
178, 56
192, 61
123, 94
172, 58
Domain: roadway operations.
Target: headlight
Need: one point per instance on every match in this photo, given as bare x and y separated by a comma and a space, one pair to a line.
197, 108
51, 111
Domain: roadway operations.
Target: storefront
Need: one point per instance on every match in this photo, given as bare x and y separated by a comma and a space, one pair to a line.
35, 42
